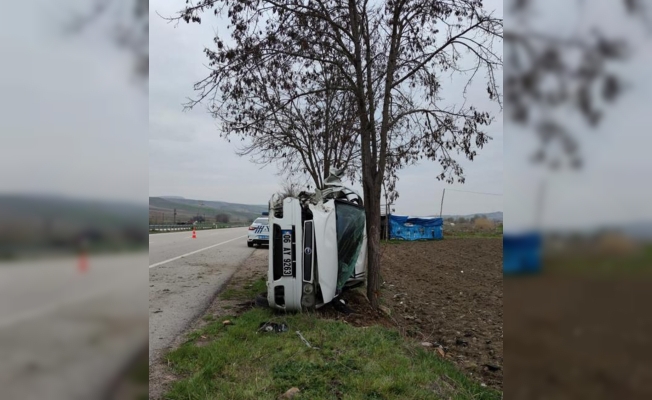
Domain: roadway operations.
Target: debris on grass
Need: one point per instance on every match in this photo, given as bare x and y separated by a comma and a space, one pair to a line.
290, 393
306, 342
341, 306
272, 327
208, 371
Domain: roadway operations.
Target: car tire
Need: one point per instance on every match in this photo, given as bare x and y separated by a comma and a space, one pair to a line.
261, 300
249, 244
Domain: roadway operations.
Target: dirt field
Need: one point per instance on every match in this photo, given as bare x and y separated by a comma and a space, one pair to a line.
574, 334
448, 293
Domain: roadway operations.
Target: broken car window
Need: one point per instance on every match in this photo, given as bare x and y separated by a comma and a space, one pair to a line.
350, 235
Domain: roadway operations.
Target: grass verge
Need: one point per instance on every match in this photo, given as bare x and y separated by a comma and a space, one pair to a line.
246, 292
638, 262
457, 235
237, 362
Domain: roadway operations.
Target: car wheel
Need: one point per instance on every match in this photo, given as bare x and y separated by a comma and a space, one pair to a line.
261, 300
249, 244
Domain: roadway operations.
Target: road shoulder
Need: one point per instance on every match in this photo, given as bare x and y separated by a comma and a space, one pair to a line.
224, 303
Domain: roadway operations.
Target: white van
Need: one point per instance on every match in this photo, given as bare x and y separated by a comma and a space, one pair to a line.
317, 246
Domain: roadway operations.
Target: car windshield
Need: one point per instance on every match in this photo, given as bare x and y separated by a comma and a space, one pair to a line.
261, 221
350, 234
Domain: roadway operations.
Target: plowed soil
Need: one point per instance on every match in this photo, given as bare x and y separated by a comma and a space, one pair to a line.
447, 293
579, 335
450, 293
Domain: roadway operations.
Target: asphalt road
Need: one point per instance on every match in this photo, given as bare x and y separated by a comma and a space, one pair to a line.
185, 274
65, 334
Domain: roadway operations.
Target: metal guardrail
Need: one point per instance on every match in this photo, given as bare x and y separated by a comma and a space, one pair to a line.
174, 228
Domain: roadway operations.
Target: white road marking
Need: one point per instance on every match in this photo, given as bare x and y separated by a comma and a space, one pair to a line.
193, 252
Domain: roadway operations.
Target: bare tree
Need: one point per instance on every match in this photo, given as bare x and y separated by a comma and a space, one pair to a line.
391, 56
290, 189
303, 135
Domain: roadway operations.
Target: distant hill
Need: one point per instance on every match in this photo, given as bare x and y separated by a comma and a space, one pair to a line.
161, 209
72, 211
641, 230
32, 225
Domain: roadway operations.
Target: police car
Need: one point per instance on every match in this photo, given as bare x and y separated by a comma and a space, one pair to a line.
258, 232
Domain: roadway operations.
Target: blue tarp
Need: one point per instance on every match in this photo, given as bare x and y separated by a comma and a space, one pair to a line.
415, 228
522, 253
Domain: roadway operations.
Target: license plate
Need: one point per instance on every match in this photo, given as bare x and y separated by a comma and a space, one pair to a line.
286, 236
265, 237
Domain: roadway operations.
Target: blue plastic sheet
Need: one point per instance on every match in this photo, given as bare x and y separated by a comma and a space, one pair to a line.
522, 253
415, 228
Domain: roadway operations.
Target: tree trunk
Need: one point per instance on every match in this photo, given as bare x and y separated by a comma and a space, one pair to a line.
372, 209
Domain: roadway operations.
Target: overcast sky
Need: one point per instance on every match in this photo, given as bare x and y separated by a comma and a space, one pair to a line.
614, 185
72, 123
188, 158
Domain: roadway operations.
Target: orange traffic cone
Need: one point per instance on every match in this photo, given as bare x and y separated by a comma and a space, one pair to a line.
194, 234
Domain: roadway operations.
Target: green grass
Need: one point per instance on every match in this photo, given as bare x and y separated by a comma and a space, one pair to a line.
449, 235
639, 262
248, 292
234, 362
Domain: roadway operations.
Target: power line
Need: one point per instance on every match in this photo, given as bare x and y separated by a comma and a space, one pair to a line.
468, 191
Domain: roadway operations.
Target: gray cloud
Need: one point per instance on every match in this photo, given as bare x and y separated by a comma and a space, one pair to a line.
72, 123
612, 187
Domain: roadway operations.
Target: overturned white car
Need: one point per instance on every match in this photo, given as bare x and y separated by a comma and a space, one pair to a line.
317, 246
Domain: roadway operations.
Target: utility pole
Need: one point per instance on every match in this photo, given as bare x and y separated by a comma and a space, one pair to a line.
441, 208
175, 216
